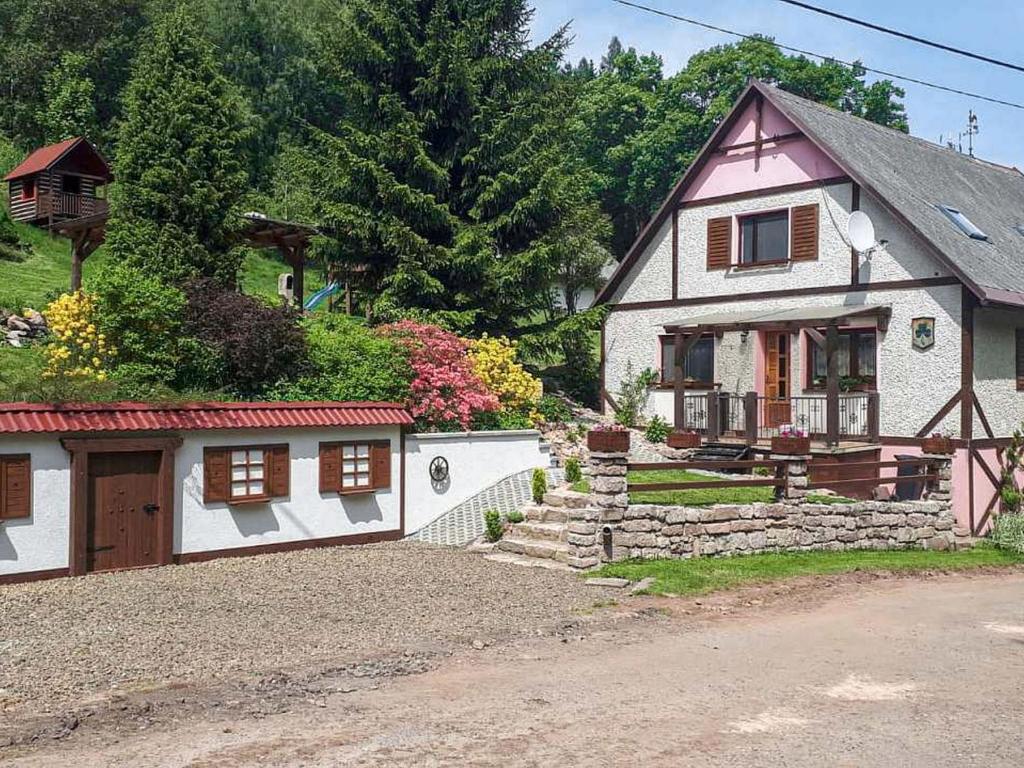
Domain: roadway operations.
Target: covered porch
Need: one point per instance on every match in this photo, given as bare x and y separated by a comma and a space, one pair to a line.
828, 414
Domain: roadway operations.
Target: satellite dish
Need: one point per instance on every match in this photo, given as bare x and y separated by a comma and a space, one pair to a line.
861, 231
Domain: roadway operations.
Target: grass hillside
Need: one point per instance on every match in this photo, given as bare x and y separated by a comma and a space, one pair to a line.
46, 271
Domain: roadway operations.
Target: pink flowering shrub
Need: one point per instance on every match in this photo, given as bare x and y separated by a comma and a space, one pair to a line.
445, 392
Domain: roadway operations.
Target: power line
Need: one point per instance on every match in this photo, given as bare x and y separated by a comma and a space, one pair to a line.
904, 35
852, 65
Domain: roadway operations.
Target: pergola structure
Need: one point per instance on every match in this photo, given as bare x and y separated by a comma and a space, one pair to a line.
687, 333
290, 238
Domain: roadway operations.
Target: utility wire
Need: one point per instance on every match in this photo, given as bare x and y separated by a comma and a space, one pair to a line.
852, 65
904, 35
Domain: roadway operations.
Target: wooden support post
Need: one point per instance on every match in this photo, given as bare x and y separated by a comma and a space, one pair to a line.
299, 275
348, 298
874, 417
832, 386
678, 388
967, 302
76, 265
713, 425
854, 254
750, 416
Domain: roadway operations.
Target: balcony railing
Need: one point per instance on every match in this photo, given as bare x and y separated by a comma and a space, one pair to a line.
755, 417
68, 205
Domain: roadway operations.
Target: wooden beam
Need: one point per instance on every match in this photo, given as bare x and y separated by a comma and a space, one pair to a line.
678, 386
939, 416
981, 415
967, 303
675, 253
832, 386
816, 336
854, 255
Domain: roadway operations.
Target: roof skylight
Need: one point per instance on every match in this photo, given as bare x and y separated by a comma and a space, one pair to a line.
962, 223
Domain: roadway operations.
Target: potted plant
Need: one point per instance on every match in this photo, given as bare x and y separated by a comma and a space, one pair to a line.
681, 438
937, 444
791, 441
608, 438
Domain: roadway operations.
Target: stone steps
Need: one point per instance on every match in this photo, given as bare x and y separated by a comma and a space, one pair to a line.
541, 549
545, 514
563, 497
539, 531
527, 562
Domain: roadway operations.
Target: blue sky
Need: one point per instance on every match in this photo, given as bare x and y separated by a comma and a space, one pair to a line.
988, 27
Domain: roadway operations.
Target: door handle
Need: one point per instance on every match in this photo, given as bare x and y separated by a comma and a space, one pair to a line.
149, 509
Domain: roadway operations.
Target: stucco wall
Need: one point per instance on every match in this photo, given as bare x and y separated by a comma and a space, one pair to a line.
995, 377
39, 542
476, 460
913, 384
304, 514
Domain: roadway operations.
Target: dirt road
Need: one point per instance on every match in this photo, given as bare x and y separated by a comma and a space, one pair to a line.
907, 673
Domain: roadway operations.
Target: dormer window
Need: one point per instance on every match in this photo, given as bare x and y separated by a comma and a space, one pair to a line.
764, 238
962, 223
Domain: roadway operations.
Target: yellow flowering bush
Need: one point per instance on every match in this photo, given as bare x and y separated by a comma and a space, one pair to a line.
494, 363
77, 349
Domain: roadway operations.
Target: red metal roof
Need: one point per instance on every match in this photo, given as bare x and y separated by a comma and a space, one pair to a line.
133, 417
44, 157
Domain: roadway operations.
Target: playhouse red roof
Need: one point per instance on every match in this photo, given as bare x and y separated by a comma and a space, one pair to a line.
44, 157
133, 417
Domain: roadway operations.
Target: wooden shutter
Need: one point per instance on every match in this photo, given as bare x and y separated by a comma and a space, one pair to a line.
1019, 347
216, 474
15, 487
279, 462
330, 467
380, 464
803, 233
720, 242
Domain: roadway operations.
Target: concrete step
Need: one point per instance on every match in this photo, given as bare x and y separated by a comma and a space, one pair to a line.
563, 497
527, 562
539, 531
550, 550
545, 514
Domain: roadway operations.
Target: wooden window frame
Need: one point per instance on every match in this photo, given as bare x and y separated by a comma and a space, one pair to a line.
268, 469
854, 372
5, 511
334, 484
667, 383
264, 480
26, 184
778, 213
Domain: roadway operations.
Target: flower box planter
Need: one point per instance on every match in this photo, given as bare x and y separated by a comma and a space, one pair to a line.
608, 440
791, 446
939, 445
683, 440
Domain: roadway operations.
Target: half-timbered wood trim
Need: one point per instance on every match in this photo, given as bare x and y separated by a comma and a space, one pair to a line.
967, 303
939, 416
854, 254
80, 449
981, 415
1019, 357
675, 253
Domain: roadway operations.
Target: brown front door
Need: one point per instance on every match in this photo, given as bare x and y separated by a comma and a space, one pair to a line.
776, 375
123, 524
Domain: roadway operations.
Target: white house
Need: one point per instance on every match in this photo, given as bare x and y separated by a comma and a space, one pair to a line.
107, 486
747, 271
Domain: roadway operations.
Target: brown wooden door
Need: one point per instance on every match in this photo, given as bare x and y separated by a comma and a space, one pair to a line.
123, 524
776, 379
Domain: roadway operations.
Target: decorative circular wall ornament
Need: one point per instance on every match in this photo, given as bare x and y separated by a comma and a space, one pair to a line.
439, 469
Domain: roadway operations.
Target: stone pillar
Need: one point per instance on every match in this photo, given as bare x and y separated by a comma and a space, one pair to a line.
941, 489
608, 500
795, 474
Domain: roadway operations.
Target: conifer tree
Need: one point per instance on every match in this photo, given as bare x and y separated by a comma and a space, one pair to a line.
69, 108
179, 165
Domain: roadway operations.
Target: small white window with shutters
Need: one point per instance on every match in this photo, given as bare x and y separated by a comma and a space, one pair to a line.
247, 474
355, 466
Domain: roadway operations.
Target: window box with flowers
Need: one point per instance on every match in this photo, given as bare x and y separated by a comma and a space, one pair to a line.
791, 441
684, 439
937, 444
608, 438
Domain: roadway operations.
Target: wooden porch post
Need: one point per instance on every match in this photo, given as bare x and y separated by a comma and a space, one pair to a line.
874, 417
678, 390
832, 386
76, 267
750, 415
713, 426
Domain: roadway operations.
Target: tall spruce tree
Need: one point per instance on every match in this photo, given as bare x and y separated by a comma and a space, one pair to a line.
179, 162
449, 165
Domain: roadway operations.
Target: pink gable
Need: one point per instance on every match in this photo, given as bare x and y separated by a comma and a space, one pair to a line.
791, 162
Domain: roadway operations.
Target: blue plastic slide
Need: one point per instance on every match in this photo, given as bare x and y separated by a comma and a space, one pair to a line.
318, 298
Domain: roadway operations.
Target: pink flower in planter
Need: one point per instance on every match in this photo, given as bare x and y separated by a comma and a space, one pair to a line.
444, 391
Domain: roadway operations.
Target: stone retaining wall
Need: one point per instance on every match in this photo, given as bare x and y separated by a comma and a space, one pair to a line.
613, 529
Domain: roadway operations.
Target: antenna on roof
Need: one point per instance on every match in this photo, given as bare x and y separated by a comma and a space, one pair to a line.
972, 130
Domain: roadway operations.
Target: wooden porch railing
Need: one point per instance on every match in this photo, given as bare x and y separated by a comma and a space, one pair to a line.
75, 206
755, 417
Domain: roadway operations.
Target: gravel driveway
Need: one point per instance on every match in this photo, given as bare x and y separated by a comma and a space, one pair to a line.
67, 639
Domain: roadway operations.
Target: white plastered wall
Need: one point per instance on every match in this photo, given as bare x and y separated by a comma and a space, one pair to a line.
39, 542
995, 372
476, 460
304, 515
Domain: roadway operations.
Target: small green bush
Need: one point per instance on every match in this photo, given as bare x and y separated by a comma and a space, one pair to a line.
554, 410
539, 485
632, 394
1008, 532
493, 527
490, 421
573, 473
515, 516
657, 430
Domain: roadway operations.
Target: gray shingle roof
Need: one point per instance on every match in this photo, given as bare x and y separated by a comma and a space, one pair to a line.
913, 176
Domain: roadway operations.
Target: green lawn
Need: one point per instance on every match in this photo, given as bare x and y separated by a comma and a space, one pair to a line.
709, 574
